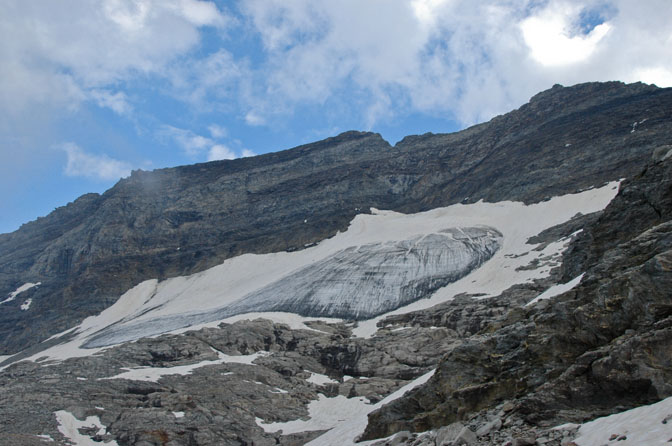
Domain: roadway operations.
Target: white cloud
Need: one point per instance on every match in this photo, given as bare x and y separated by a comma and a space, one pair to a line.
195, 145
217, 131
87, 165
549, 36
210, 82
470, 59
253, 118
220, 152
659, 76
54, 52
192, 143
117, 102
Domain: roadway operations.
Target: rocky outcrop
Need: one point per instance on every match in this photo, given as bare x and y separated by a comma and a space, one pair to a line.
598, 348
182, 220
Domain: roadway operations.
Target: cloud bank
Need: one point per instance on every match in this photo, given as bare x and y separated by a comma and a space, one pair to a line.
97, 167
179, 81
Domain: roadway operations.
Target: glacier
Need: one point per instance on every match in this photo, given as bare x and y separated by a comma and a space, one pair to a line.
358, 282
183, 303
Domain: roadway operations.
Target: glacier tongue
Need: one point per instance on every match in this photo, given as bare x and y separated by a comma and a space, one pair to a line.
365, 281
358, 282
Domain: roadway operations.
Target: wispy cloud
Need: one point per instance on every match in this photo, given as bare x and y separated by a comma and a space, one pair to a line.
217, 131
117, 102
88, 165
469, 59
197, 146
192, 143
220, 152
83, 46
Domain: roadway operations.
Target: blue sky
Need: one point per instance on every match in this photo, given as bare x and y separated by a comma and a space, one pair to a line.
92, 90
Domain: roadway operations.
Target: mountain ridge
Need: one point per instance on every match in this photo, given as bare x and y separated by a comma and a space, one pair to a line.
181, 220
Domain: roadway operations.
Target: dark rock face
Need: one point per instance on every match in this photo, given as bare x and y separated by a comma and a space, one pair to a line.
600, 347
182, 220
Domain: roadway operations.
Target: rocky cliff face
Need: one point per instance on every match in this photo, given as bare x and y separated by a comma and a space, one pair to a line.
183, 220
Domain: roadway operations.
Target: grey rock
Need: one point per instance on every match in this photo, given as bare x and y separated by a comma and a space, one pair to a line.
524, 441
447, 435
662, 153
401, 438
488, 427
465, 437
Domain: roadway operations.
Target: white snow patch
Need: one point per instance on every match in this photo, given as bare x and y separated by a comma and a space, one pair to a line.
69, 426
642, 426
19, 290
81, 378
401, 328
178, 414
45, 438
344, 433
319, 379
556, 290
278, 390
153, 374
324, 413
26, 304
566, 426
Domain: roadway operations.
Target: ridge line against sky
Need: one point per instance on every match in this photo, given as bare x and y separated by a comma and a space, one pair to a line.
91, 90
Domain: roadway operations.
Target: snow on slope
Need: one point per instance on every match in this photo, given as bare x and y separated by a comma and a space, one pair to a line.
69, 426
323, 413
345, 433
647, 425
217, 287
556, 290
153, 374
19, 290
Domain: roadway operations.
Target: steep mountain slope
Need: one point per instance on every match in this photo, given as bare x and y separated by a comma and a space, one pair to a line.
214, 289
602, 345
244, 379
183, 220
